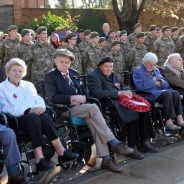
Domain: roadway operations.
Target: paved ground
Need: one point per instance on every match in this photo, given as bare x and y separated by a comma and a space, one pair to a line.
165, 167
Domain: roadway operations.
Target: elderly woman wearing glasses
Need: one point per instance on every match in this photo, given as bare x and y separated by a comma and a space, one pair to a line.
148, 78
20, 99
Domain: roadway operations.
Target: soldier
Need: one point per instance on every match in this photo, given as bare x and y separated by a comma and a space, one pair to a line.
92, 54
180, 46
43, 55
175, 34
112, 37
24, 51
164, 46
8, 44
103, 46
125, 45
117, 57
132, 36
181, 31
137, 53
158, 33
71, 39
80, 36
150, 38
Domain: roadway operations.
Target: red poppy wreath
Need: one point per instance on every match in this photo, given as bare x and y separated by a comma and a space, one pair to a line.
136, 103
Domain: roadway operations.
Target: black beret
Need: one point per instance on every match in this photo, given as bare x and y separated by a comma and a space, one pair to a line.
165, 28
115, 43
105, 60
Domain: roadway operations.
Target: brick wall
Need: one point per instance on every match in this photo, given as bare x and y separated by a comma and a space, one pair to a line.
6, 2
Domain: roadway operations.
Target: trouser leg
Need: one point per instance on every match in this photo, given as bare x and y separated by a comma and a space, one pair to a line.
11, 150
177, 102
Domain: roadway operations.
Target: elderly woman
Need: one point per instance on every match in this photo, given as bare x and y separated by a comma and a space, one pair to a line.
20, 99
174, 72
148, 78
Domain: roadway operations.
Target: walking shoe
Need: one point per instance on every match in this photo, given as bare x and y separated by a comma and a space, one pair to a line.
68, 156
137, 154
149, 147
172, 127
17, 179
43, 165
111, 166
122, 149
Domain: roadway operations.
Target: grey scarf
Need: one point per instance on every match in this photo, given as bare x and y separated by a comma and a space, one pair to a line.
174, 70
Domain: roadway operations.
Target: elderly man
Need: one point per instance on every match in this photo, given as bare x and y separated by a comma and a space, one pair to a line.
148, 78
63, 86
103, 83
174, 72
105, 29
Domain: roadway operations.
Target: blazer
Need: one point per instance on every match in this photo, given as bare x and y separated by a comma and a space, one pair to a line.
143, 80
57, 90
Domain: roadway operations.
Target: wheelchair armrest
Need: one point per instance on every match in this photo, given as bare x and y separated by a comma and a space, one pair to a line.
5, 120
94, 100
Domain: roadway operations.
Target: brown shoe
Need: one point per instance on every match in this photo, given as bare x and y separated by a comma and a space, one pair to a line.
122, 149
111, 166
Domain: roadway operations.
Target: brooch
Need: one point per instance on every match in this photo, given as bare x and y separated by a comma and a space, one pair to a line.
14, 95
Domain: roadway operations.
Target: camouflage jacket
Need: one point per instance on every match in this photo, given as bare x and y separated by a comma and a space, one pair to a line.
125, 49
149, 42
104, 51
163, 48
131, 39
180, 46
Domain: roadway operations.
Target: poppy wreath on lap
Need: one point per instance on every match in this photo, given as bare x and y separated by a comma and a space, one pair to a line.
136, 103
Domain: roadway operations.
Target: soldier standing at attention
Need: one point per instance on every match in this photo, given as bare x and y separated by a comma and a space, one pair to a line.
132, 36
175, 34
137, 53
43, 55
150, 38
24, 51
92, 54
164, 46
112, 37
103, 46
71, 39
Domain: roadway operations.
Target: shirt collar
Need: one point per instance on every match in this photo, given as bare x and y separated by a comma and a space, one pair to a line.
12, 85
66, 73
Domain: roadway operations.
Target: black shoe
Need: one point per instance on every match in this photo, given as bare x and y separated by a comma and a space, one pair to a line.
111, 166
68, 156
17, 179
43, 165
149, 147
137, 154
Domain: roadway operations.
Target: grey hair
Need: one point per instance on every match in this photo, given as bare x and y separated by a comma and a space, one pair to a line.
171, 57
18, 62
150, 57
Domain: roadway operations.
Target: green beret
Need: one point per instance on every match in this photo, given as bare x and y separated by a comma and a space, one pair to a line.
102, 39
152, 27
140, 35
25, 31
12, 27
115, 43
174, 29
40, 29
94, 34
165, 28
64, 52
137, 25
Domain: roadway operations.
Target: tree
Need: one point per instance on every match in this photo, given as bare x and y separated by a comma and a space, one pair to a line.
128, 13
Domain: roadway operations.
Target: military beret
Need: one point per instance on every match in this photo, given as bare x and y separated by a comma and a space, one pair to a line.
25, 31
94, 34
40, 29
12, 27
137, 25
124, 32
140, 35
81, 31
173, 29
106, 59
87, 32
111, 31
115, 43
64, 52
102, 39
165, 28
152, 28
70, 35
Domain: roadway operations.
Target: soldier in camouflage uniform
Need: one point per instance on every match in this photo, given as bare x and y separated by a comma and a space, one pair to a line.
92, 54
132, 36
103, 46
24, 51
175, 34
43, 55
164, 46
8, 44
137, 53
71, 39
180, 46
125, 45
112, 36
117, 57
150, 38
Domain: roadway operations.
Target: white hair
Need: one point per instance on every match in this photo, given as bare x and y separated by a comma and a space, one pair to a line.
150, 57
171, 57
18, 62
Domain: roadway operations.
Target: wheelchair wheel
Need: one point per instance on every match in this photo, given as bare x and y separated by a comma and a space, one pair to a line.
1, 167
65, 165
48, 151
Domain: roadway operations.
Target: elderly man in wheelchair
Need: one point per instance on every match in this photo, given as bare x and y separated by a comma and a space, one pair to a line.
104, 84
63, 86
10, 153
19, 98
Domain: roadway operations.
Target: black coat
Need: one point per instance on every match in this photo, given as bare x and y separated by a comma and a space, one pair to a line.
58, 91
101, 86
